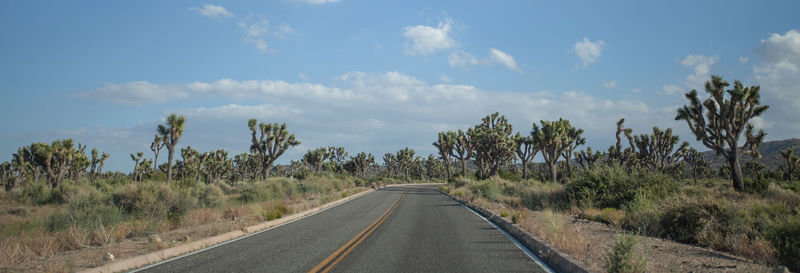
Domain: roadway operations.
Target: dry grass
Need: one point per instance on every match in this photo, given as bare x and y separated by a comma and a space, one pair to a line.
555, 229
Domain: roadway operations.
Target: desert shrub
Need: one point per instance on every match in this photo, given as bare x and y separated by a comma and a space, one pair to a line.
785, 236
256, 191
642, 216
34, 193
612, 186
276, 211
508, 175
489, 189
623, 258
536, 195
758, 185
703, 224
208, 195
154, 200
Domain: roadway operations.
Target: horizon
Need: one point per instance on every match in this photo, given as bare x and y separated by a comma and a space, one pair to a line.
377, 77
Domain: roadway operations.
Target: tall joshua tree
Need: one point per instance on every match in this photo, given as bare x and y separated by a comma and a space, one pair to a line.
390, 161
272, 142
720, 120
361, 162
136, 159
792, 162
525, 149
171, 132
156, 146
493, 144
463, 149
405, 160
587, 158
445, 144
574, 139
553, 140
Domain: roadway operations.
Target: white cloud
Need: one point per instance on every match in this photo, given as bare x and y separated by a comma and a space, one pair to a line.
461, 59
427, 39
779, 77
255, 31
588, 51
373, 112
671, 90
503, 58
302, 76
216, 12
743, 60
317, 2
444, 78
283, 30
610, 84
702, 67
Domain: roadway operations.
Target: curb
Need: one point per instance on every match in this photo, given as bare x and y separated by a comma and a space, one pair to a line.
210, 242
556, 259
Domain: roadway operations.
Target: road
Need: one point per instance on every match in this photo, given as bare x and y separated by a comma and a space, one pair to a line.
394, 229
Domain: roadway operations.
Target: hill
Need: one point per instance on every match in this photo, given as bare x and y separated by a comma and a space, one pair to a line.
769, 150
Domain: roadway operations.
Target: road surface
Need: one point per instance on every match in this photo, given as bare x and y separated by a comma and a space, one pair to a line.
394, 229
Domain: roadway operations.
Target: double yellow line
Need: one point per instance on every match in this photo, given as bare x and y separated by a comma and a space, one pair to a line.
340, 253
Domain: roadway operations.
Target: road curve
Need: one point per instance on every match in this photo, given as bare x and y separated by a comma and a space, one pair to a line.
395, 229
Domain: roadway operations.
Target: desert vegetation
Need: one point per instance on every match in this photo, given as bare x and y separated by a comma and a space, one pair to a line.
57, 198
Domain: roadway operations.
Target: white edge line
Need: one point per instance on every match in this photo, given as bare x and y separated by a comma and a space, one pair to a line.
519, 245
239, 238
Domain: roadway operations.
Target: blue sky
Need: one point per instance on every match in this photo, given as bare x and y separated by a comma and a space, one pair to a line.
376, 76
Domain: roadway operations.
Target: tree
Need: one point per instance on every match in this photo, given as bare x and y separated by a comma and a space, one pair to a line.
525, 149
136, 159
171, 132
658, 152
156, 146
445, 144
271, 144
553, 140
720, 120
405, 160
463, 149
587, 159
697, 161
792, 162
361, 162
753, 168
574, 140
315, 158
493, 144
617, 152
390, 161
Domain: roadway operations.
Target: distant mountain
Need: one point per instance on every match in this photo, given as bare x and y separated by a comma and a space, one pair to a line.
769, 153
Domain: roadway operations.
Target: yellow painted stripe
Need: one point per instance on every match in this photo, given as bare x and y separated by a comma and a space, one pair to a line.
327, 264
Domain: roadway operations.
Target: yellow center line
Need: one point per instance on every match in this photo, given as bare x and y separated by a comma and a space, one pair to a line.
327, 264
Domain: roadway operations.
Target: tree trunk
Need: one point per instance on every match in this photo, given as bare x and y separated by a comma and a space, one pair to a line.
447, 168
155, 162
267, 169
464, 168
169, 162
553, 170
736, 171
524, 169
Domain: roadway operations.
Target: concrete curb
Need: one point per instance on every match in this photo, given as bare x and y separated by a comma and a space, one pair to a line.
202, 244
556, 259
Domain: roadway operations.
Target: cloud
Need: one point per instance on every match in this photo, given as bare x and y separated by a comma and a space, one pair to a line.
611, 84
779, 77
503, 58
372, 112
588, 51
444, 78
317, 2
461, 59
427, 39
255, 30
743, 60
702, 67
216, 12
671, 90
283, 30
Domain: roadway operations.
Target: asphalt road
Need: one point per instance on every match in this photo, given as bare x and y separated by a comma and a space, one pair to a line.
395, 229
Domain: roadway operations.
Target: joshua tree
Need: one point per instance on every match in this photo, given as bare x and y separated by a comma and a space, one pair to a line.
271, 144
553, 140
719, 121
315, 158
361, 162
171, 132
405, 160
574, 140
53, 158
136, 159
445, 144
658, 152
587, 159
525, 149
336, 158
696, 160
463, 149
493, 143
156, 146
753, 168
102, 162
390, 161
792, 162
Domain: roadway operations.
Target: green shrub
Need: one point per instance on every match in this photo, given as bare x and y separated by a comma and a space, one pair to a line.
489, 189
759, 185
702, 224
35, 193
256, 192
785, 236
622, 257
536, 195
154, 200
276, 211
504, 214
208, 195
612, 186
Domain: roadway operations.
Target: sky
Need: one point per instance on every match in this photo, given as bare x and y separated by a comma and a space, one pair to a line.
377, 76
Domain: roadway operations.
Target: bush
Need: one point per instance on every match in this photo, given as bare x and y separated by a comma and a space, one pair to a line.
34, 193
208, 195
612, 186
622, 258
154, 200
785, 236
702, 224
487, 188
759, 185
